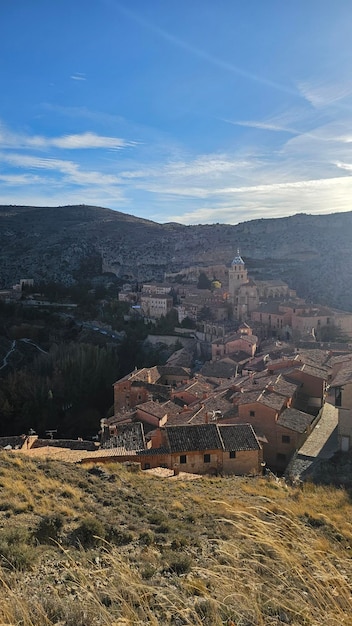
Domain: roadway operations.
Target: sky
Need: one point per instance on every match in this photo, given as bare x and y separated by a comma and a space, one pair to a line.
189, 111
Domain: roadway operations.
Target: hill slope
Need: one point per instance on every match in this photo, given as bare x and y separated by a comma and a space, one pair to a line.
104, 546
311, 252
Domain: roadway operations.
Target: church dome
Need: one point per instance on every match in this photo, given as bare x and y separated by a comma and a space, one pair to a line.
238, 259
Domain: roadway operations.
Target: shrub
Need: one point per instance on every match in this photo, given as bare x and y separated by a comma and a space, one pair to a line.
208, 612
16, 551
179, 564
179, 542
89, 532
164, 527
119, 537
157, 517
148, 571
49, 529
147, 537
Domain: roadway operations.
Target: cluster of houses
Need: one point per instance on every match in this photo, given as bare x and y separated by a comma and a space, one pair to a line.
241, 411
242, 423
271, 306
235, 424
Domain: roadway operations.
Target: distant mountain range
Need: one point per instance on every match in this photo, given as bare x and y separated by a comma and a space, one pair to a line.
64, 244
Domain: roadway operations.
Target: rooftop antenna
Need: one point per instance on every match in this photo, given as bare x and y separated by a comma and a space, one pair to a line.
51, 432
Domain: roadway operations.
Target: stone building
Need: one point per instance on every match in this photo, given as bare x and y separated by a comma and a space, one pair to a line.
156, 306
243, 292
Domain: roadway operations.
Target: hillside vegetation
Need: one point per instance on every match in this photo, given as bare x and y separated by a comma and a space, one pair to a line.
84, 546
74, 243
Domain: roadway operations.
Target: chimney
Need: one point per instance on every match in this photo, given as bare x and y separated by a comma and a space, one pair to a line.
156, 438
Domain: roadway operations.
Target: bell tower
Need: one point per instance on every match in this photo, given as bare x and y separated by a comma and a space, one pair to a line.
237, 277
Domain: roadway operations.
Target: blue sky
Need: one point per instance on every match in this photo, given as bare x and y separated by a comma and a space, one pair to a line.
192, 111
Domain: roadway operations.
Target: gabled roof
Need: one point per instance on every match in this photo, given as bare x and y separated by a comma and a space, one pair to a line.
317, 372
252, 339
192, 438
238, 437
343, 376
284, 387
14, 441
173, 370
240, 357
295, 420
272, 400
153, 408
146, 374
267, 398
218, 402
226, 437
224, 368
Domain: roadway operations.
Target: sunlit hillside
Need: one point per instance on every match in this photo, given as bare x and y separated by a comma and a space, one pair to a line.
84, 546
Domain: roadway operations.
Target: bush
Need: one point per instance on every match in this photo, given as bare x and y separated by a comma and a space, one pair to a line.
179, 564
89, 532
49, 529
16, 551
119, 537
147, 537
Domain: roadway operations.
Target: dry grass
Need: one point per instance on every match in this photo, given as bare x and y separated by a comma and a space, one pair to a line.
135, 549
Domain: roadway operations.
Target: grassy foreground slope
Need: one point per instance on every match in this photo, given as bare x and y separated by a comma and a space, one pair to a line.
84, 546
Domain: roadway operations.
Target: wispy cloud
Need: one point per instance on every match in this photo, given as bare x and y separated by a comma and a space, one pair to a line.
78, 76
304, 168
276, 200
70, 169
264, 126
19, 179
323, 92
87, 140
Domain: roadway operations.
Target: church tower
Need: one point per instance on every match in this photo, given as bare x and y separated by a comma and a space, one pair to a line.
237, 277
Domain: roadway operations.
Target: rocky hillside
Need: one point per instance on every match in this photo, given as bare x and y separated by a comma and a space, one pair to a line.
65, 244
99, 546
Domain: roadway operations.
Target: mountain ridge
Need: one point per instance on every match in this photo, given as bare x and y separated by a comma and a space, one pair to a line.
73, 242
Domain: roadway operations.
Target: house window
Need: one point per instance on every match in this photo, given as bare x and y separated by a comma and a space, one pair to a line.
345, 443
146, 465
285, 439
183, 458
338, 396
232, 454
207, 458
251, 413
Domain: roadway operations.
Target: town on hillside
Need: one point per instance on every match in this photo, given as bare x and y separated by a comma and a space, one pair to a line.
261, 381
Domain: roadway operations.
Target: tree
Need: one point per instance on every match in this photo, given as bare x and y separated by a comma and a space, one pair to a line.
203, 281
205, 314
331, 333
187, 322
